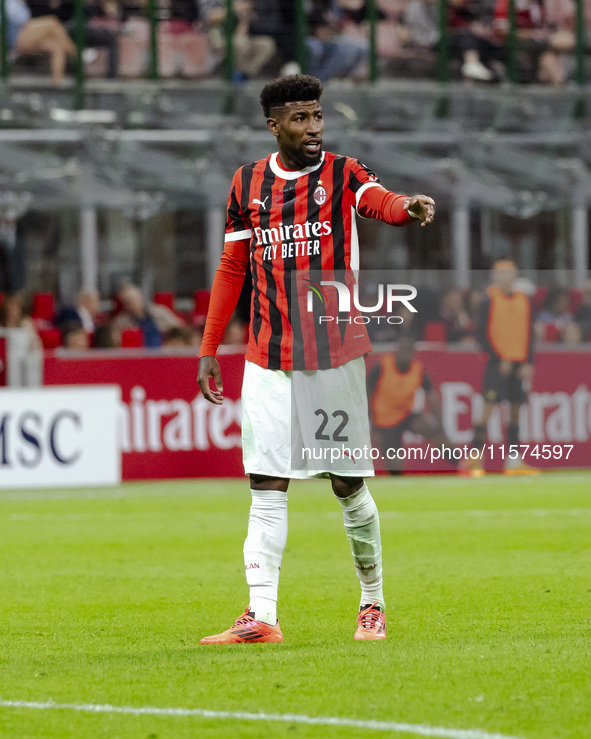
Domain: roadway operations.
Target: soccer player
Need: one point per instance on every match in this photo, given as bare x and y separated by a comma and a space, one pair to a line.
505, 331
293, 214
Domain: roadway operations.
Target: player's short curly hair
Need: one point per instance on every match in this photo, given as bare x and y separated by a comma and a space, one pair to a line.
289, 89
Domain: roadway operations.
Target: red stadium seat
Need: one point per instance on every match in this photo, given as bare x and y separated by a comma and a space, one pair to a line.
201, 305
576, 299
132, 338
551, 332
43, 306
166, 299
538, 299
51, 338
435, 331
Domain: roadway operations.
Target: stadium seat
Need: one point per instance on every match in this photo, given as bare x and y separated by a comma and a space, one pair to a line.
434, 331
201, 305
132, 338
43, 306
576, 299
1, 299
551, 332
166, 299
51, 338
539, 297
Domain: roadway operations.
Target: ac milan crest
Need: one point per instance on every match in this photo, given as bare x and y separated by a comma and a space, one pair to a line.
319, 195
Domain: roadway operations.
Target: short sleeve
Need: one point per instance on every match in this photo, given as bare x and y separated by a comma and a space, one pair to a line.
237, 224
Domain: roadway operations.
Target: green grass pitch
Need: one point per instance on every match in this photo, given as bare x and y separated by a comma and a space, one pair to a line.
104, 595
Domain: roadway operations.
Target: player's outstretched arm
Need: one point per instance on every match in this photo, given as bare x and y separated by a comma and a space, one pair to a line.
421, 207
398, 210
208, 369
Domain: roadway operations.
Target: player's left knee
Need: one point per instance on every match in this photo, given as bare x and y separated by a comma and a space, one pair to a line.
343, 487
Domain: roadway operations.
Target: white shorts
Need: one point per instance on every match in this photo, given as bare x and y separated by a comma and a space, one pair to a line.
300, 424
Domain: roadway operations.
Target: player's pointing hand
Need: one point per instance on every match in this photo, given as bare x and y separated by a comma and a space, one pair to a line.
421, 207
209, 368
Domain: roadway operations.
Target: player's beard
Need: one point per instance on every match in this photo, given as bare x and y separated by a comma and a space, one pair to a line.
303, 160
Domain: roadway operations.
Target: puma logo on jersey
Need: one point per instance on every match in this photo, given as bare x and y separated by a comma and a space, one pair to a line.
260, 202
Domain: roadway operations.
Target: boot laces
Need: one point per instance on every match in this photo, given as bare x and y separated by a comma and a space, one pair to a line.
369, 618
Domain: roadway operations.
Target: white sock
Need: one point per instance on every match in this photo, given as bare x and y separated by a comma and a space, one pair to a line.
263, 550
362, 524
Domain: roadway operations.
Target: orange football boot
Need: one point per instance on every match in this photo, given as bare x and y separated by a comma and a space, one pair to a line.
371, 624
247, 630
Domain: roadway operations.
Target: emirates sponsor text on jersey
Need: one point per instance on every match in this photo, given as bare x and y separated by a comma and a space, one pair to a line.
292, 240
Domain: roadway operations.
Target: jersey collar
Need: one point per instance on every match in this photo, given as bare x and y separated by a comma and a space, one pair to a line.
288, 174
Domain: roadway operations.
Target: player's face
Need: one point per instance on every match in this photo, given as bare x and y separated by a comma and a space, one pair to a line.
298, 128
504, 278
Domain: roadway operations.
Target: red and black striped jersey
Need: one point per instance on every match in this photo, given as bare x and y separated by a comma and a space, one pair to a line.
294, 226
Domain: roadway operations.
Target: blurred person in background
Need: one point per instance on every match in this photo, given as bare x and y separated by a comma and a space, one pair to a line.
536, 39
106, 337
472, 300
152, 319
334, 50
12, 315
31, 32
235, 333
505, 332
177, 336
96, 35
74, 335
453, 314
473, 40
470, 33
393, 385
571, 333
583, 314
253, 49
555, 312
86, 310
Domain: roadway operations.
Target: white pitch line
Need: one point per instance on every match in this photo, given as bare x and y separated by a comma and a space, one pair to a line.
292, 718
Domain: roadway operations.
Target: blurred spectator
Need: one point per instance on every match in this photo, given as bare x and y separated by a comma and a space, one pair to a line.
235, 333
96, 35
152, 319
335, 47
556, 309
182, 45
252, 50
583, 314
74, 336
470, 31
85, 311
536, 38
40, 34
393, 386
571, 333
472, 300
178, 336
106, 337
472, 38
12, 315
454, 316
421, 23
